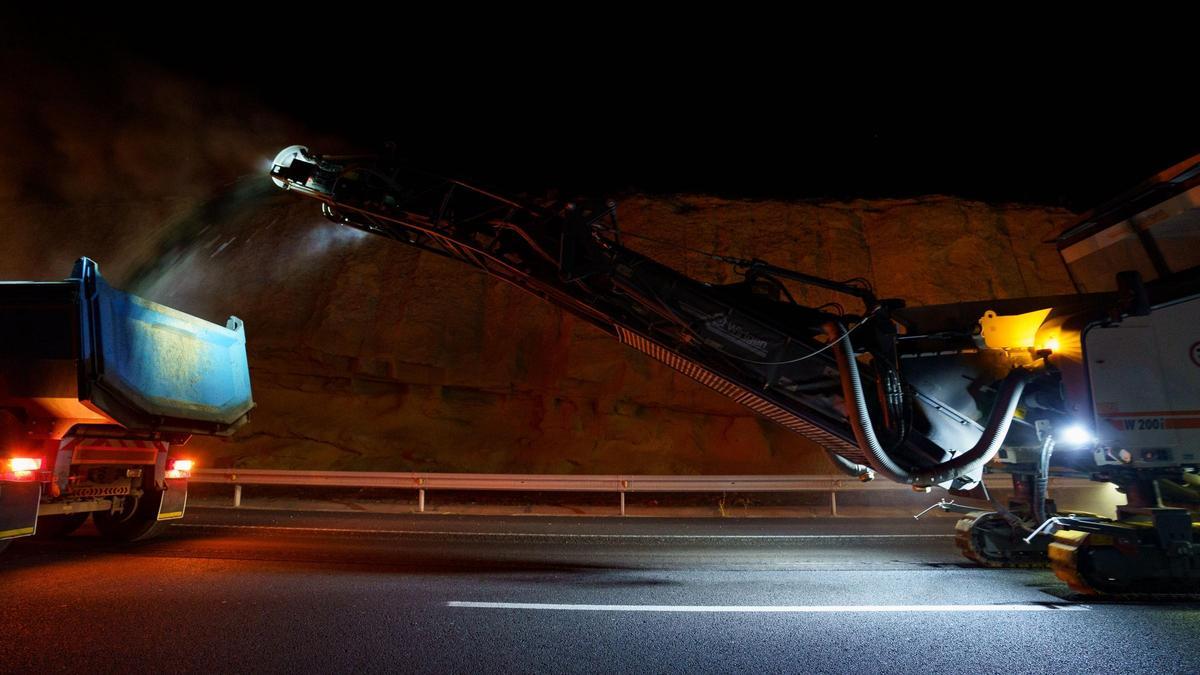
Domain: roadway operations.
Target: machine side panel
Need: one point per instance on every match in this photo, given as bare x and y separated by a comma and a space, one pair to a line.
1145, 381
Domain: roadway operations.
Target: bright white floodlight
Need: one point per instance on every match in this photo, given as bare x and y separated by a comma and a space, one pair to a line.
1076, 435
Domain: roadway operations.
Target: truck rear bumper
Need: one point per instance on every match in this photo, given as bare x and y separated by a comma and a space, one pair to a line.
21, 505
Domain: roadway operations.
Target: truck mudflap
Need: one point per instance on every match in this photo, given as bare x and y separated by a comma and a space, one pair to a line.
19, 509
174, 499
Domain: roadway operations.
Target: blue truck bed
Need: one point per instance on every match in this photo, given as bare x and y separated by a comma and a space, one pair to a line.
79, 352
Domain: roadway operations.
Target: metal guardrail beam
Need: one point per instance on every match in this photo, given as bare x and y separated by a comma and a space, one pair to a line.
621, 484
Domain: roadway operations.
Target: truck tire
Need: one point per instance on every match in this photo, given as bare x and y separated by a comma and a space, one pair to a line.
138, 521
60, 525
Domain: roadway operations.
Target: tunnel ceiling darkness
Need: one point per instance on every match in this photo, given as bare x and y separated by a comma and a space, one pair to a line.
584, 111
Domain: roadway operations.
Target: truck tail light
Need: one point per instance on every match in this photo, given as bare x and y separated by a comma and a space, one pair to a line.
180, 468
20, 468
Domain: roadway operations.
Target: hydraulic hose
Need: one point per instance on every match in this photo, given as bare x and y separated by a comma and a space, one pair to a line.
1041, 482
863, 473
878, 458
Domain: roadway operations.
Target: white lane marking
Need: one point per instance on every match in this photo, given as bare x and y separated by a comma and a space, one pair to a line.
563, 535
812, 609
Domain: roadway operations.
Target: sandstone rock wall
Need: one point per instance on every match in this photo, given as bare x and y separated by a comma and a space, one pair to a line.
369, 355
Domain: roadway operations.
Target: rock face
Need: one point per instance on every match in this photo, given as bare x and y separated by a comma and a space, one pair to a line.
366, 354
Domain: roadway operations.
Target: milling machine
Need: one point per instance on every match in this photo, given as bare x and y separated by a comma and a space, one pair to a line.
1102, 383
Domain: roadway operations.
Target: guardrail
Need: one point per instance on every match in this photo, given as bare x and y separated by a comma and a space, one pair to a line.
619, 484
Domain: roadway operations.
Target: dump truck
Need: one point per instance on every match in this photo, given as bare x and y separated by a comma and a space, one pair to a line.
99, 391
1103, 383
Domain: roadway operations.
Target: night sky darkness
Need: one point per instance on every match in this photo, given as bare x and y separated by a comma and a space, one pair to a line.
663, 108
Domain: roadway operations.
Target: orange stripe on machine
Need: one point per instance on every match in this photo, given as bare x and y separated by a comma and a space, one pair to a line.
1153, 423
1152, 413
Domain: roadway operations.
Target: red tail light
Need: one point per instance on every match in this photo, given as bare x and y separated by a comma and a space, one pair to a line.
20, 468
180, 468
24, 463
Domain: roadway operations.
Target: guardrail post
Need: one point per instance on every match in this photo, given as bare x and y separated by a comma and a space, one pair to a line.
833, 502
624, 484
237, 496
421, 500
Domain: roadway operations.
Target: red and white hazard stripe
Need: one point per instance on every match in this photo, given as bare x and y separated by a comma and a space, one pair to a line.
86, 450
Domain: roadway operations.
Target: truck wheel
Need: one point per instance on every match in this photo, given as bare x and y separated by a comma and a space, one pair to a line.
60, 525
138, 521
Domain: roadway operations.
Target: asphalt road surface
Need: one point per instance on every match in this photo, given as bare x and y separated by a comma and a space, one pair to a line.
272, 591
